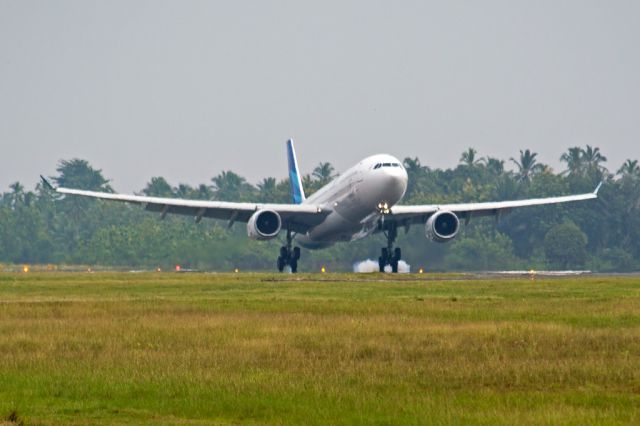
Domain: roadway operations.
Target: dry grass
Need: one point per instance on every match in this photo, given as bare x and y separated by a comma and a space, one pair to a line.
180, 349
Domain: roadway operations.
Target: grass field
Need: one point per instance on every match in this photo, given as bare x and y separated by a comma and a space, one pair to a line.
318, 349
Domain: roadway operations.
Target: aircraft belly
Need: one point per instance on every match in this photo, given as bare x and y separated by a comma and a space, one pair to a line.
333, 229
352, 208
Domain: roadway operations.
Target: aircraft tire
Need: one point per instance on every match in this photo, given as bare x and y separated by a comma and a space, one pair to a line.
293, 263
394, 265
296, 253
398, 253
280, 264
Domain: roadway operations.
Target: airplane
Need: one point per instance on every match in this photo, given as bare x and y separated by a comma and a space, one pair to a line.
360, 202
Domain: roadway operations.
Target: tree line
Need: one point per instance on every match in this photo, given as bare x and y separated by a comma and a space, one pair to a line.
38, 226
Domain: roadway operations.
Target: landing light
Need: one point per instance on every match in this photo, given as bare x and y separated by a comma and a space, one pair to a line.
236, 270
421, 271
383, 207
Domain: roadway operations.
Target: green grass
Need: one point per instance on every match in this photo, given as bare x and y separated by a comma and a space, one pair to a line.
318, 349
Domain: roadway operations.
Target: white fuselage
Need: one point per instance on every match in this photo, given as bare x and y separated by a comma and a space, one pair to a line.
355, 199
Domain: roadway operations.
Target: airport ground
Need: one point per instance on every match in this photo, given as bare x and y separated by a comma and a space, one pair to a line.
169, 348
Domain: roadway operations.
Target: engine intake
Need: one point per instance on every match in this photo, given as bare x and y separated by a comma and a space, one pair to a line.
264, 225
442, 226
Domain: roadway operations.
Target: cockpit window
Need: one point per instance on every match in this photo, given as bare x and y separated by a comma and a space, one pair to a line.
377, 166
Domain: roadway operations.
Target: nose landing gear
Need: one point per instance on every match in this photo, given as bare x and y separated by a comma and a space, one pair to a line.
289, 256
389, 255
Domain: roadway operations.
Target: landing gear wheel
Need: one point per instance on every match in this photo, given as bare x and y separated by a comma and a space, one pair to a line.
383, 260
389, 255
288, 256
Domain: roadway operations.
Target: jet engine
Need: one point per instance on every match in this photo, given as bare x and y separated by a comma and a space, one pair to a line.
442, 226
264, 225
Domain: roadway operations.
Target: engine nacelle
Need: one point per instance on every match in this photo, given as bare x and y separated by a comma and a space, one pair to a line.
264, 225
442, 226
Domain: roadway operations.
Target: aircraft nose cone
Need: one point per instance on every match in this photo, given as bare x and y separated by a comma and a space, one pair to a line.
397, 178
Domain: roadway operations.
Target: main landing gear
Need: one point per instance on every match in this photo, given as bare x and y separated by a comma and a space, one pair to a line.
288, 256
389, 255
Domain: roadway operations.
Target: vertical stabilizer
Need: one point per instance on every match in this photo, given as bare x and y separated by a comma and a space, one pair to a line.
297, 192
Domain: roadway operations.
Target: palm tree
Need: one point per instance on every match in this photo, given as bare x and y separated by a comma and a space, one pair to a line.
412, 165
17, 189
630, 168
494, 165
158, 187
267, 190
323, 173
229, 186
468, 158
203, 192
593, 159
17, 194
183, 191
527, 166
414, 172
574, 158
310, 185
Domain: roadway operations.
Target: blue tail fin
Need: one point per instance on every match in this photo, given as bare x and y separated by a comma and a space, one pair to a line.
297, 192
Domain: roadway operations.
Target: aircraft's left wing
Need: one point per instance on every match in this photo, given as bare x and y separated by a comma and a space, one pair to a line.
420, 213
298, 217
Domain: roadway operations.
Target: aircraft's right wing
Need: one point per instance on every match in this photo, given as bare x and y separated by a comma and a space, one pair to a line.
420, 213
298, 217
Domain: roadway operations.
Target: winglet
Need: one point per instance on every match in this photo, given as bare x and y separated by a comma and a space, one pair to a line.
297, 192
595, 192
47, 184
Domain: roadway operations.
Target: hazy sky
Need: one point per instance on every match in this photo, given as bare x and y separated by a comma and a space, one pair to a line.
185, 89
